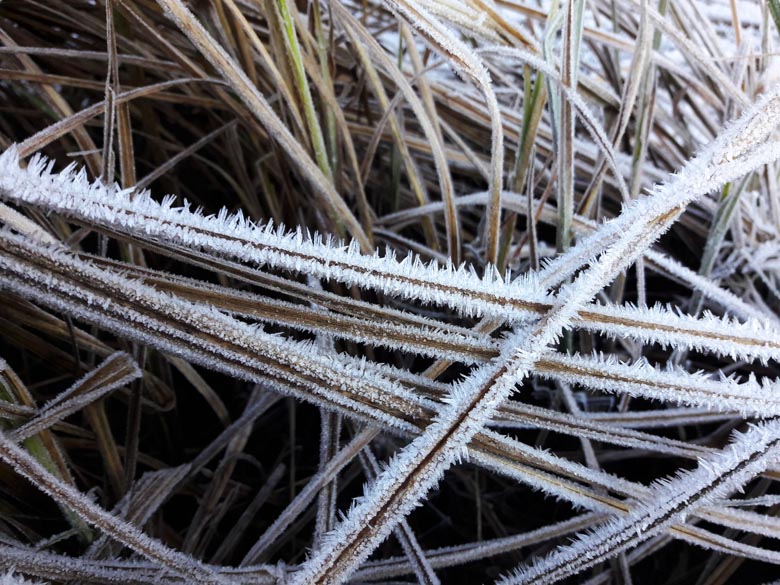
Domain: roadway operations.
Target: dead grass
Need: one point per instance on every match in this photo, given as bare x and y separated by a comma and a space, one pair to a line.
199, 399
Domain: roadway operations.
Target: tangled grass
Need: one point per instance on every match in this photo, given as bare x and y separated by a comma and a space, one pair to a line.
524, 316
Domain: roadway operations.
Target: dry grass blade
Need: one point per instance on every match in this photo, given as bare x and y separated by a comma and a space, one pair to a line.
467, 64
258, 105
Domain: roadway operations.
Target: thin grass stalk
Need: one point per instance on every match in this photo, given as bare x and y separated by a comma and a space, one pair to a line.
572, 35
304, 92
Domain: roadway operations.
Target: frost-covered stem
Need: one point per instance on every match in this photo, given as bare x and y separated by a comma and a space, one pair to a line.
115, 371
201, 334
61, 568
465, 553
638, 379
727, 300
670, 501
516, 415
419, 466
141, 217
671, 268
73, 195
403, 532
673, 385
67, 495
721, 336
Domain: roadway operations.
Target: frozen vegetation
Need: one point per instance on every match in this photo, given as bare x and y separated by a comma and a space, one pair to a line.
443, 292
